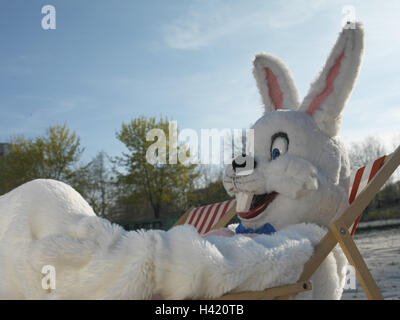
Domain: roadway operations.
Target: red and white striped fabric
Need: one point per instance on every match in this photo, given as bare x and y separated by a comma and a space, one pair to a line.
359, 180
204, 218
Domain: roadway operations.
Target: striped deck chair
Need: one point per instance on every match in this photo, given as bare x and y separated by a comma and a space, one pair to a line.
365, 183
359, 180
209, 217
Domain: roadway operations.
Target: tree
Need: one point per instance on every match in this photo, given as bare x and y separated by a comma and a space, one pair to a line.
51, 156
96, 184
20, 164
161, 184
208, 186
60, 150
364, 152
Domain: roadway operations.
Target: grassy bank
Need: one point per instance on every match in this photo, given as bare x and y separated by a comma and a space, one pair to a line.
381, 214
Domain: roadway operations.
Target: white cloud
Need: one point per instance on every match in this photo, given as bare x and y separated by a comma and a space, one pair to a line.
205, 24
292, 13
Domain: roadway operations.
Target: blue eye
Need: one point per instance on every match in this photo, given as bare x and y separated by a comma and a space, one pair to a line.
279, 145
275, 153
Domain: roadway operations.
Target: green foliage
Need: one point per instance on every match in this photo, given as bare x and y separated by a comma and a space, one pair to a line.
60, 149
162, 185
385, 205
50, 156
381, 214
212, 193
20, 164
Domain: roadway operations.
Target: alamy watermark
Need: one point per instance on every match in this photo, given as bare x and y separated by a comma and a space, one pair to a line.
49, 20
49, 279
350, 280
187, 148
349, 17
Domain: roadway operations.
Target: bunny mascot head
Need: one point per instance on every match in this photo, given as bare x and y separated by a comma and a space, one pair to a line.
300, 169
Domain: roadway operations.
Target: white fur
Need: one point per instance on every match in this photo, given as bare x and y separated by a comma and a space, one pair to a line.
328, 118
45, 222
291, 98
308, 177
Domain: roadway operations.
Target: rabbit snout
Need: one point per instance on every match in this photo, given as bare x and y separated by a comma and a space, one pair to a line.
244, 175
289, 175
292, 176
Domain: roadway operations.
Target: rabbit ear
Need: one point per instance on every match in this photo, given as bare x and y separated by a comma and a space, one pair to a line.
329, 92
275, 83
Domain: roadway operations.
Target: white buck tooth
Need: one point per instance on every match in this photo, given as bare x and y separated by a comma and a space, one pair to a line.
243, 201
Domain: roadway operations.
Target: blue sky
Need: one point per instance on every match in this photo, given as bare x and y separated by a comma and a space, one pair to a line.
110, 61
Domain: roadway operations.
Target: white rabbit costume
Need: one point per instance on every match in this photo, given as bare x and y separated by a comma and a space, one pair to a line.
299, 184
311, 173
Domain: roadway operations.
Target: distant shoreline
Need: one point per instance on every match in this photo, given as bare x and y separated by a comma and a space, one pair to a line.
377, 224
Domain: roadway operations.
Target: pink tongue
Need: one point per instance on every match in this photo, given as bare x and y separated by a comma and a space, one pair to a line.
252, 213
257, 210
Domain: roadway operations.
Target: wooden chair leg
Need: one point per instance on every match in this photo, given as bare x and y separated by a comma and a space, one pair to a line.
321, 251
270, 293
353, 255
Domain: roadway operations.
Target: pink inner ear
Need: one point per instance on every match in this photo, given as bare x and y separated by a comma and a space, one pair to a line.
274, 89
329, 82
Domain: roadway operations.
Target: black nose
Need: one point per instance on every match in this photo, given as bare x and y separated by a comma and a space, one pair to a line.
242, 161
